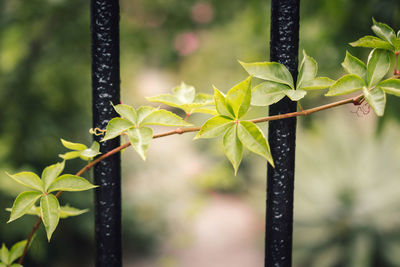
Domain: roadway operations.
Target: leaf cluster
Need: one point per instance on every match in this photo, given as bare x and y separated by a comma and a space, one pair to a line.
8, 256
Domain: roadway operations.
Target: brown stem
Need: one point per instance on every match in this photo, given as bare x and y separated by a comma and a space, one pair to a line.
354, 100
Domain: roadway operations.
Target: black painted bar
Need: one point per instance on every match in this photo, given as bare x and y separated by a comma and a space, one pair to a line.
104, 26
282, 139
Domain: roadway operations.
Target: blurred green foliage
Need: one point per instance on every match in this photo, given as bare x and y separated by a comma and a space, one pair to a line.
45, 75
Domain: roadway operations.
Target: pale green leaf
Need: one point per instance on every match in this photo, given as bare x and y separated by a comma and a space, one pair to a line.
253, 139
3, 265
214, 127
143, 112
69, 182
347, 84
23, 203
307, 71
127, 112
4, 254
239, 97
383, 31
17, 250
115, 127
372, 42
390, 86
376, 98
50, 173
270, 71
73, 146
140, 139
50, 213
91, 152
222, 106
28, 179
378, 66
317, 84
398, 34
166, 99
295, 95
353, 65
205, 99
184, 93
67, 211
268, 93
70, 155
163, 117
205, 110
233, 148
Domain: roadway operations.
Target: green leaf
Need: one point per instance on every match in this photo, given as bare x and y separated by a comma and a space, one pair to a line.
16, 265
4, 254
50, 173
345, 85
3, 265
390, 86
353, 65
270, 71
221, 104
268, 93
50, 213
67, 211
378, 66
239, 97
73, 146
115, 127
205, 110
28, 179
16, 251
233, 148
69, 182
70, 155
254, 140
383, 31
140, 139
143, 112
376, 98
127, 112
317, 84
23, 203
184, 93
307, 71
372, 42
295, 95
163, 117
91, 152
214, 127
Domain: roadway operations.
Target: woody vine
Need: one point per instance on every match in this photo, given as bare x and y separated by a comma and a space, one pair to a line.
370, 79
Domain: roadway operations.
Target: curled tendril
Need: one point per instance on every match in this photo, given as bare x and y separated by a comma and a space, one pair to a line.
97, 131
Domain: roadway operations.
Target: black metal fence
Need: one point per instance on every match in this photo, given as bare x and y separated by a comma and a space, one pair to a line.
282, 134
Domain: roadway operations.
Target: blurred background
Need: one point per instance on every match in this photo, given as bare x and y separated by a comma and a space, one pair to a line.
184, 206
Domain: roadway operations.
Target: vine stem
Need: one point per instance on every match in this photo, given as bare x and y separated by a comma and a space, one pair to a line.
355, 100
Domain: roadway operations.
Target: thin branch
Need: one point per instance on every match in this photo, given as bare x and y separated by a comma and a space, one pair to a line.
355, 100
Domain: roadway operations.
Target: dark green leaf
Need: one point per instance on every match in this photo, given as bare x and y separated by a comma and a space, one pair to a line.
239, 97
353, 65
372, 42
376, 98
28, 179
345, 85
390, 86
214, 127
233, 148
270, 71
378, 66
140, 139
69, 182
268, 93
23, 203
253, 139
115, 127
50, 213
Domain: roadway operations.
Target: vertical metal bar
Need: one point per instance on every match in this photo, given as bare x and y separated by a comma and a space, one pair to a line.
106, 90
282, 139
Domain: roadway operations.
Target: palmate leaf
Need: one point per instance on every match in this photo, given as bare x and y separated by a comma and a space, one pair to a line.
90, 152
378, 66
221, 104
383, 31
28, 179
239, 96
347, 84
127, 112
270, 71
164, 118
4, 254
295, 95
23, 203
69, 182
376, 98
116, 127
233, 148
65, 211
267, 93
317, 83
16, 251
140, 139
307, 71
390, 86
214, 127
50, 173
372, 42
353, 65
50, 213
